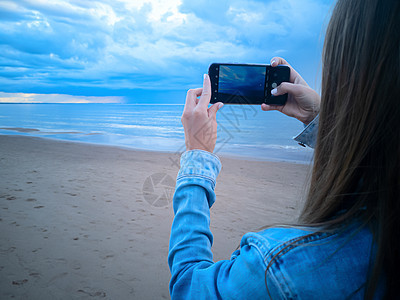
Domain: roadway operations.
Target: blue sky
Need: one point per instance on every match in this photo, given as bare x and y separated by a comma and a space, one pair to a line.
147, 51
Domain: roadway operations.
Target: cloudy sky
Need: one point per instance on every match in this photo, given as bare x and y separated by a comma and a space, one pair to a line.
135, 51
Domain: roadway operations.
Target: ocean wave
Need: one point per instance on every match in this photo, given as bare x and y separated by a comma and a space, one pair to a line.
269, 146
145, 127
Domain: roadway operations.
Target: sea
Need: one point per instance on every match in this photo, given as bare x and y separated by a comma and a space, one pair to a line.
243, 130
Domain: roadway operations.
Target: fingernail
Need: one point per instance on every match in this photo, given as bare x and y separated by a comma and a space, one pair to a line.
220, 105
274, 91
272, 62
205, 76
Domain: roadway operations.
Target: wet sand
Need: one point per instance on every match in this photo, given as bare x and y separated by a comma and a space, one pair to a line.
82, 221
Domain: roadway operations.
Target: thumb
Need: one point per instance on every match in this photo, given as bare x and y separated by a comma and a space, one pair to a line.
212, 111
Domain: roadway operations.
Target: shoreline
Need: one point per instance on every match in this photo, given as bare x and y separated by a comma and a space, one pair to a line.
80, 220
26, 132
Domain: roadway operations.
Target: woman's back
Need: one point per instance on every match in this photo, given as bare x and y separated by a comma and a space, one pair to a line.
355, 182
309, 264
277, 263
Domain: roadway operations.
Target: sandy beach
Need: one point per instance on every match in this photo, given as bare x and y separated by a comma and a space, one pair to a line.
83, 221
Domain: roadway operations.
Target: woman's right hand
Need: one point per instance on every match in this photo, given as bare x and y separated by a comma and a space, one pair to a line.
303, 102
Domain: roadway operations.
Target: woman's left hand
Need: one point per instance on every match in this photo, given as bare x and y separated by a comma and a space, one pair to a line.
199, 121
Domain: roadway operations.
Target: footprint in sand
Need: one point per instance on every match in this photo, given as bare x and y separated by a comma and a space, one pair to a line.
19, 282
76, 265
39, 206
34, 274
88, 291
58, 276
9, 250
31, 200
11, 198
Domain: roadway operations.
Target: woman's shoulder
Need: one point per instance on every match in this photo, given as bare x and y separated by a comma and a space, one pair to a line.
308, 259
277, 238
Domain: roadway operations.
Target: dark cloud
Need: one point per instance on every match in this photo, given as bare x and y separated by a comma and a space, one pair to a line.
92, 46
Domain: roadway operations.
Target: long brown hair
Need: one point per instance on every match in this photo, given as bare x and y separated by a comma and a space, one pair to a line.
357, 155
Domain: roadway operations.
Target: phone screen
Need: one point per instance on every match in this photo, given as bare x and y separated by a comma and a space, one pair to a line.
244, 81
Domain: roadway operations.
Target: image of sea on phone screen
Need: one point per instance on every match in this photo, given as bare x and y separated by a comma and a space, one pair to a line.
241, 84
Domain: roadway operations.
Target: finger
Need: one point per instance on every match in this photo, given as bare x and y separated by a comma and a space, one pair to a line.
191, 98
212, 111
266, 107
269, 107
206, 93
276, 61
287, 88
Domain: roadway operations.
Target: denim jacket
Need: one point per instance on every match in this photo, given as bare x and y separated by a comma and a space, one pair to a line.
277, 263
309, 134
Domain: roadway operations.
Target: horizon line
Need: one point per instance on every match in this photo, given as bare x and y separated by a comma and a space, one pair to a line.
92, 103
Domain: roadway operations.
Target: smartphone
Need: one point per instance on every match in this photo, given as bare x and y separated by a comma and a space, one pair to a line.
247, 83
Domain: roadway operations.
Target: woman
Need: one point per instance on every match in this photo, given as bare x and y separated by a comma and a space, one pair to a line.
345, 244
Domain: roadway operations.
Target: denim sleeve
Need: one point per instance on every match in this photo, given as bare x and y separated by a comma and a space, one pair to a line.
309, 134
194, 274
